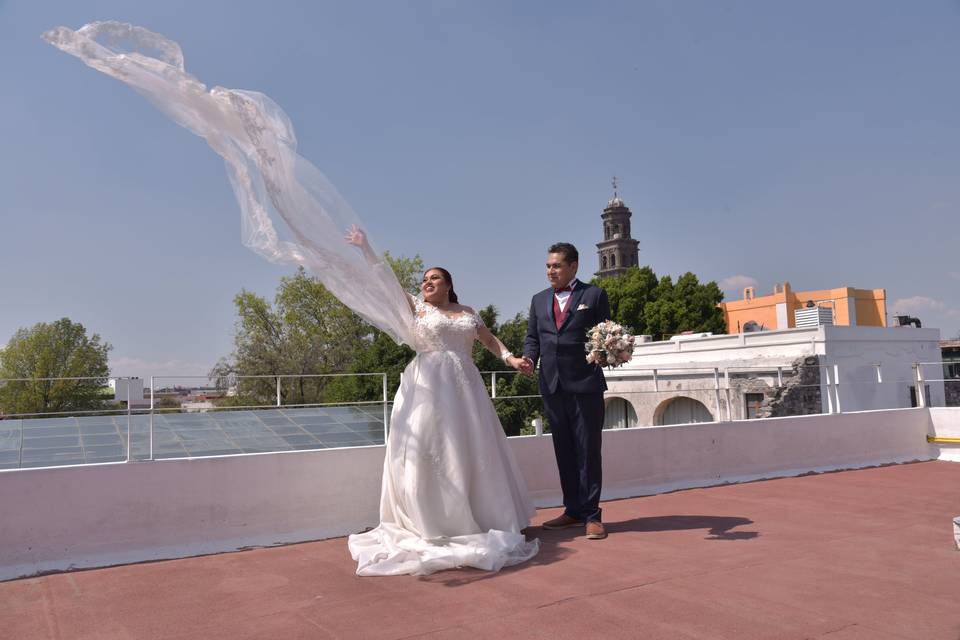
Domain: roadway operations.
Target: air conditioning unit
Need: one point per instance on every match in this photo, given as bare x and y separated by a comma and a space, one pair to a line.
812, 317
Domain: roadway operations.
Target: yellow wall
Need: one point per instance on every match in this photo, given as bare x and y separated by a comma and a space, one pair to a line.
869, 306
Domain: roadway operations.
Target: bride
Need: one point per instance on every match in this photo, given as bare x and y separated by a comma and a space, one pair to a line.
452, 495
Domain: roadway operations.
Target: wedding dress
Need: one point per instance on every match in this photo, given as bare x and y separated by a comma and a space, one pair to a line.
452, 494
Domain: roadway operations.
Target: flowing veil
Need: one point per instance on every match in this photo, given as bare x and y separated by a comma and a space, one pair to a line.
270, 180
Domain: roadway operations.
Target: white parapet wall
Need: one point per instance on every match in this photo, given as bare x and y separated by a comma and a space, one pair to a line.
945, 424
97, 515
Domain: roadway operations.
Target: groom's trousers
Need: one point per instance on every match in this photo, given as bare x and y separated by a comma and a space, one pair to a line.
576, 426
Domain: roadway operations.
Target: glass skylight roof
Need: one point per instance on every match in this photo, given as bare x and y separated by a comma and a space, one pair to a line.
89, 439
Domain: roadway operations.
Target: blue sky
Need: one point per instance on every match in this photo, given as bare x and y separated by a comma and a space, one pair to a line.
755, 142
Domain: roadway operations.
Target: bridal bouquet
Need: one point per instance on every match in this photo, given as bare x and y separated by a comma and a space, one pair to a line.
609, 344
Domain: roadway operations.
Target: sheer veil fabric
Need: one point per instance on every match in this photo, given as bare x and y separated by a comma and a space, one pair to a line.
452, 493
259, 147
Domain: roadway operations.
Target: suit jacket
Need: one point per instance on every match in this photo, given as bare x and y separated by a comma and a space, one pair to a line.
561, 351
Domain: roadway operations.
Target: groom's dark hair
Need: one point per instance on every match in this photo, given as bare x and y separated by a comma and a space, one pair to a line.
570, 253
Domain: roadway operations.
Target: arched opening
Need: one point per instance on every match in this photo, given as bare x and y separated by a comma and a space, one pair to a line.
603, 262
619, 414
613, 260
681, 410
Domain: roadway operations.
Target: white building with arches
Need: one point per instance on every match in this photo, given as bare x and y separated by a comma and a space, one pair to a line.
826, 369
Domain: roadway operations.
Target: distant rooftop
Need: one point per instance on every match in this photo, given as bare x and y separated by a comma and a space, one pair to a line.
855, 554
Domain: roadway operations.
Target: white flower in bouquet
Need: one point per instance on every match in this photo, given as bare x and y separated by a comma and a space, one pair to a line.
609, 345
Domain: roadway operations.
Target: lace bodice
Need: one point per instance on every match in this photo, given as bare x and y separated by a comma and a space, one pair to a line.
435, 330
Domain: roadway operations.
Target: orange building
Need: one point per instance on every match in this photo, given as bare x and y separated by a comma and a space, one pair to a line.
849, 306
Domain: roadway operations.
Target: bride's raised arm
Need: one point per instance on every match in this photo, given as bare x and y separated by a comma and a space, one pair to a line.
495, 346
358, 238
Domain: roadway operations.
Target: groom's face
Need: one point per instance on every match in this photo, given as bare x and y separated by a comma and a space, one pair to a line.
559, 271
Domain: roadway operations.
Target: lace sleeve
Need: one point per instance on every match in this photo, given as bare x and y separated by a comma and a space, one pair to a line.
272, 183
418, 306
493, 344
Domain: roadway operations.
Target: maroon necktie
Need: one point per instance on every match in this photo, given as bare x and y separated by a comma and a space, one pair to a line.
558, 313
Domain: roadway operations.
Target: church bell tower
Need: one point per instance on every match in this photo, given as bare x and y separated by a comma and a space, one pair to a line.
618, 251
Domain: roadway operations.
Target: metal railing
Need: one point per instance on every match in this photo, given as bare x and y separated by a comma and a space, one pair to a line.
722, 383
234, 380
151, 409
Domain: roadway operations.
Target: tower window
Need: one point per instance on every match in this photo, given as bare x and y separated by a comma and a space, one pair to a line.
603, 262
613, 260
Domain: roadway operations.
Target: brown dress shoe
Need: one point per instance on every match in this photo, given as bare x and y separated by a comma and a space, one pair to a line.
562, 522
596, 530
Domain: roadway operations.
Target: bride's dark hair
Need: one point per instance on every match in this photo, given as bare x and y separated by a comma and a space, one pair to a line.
446, 278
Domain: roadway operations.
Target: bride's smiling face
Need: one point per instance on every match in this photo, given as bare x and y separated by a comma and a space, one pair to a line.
434, 287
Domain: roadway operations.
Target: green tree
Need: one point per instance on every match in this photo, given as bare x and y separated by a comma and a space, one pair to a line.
409, 271
305, 332
60, 349
684, 306
658, 307
629, 294
515, 414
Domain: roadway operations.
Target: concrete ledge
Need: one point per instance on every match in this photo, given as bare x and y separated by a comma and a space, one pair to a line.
92, 516
945, 423
650, 460
75, 517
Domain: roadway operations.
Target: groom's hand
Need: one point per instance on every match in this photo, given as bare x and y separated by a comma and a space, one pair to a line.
525, 366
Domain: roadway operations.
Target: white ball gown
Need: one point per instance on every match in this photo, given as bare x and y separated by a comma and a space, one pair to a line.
452, 494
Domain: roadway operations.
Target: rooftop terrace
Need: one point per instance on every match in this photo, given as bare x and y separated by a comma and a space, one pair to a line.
853, 554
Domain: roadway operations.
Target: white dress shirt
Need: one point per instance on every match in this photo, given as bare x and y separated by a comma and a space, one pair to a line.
564, 296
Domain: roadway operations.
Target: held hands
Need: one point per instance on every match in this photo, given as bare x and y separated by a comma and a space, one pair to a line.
523, 365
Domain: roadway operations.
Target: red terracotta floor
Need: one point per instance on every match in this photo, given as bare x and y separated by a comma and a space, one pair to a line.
857, 554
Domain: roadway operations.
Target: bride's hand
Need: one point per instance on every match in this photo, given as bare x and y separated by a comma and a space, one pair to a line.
356, 236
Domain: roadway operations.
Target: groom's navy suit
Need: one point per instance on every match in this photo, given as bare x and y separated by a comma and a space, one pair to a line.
572, 391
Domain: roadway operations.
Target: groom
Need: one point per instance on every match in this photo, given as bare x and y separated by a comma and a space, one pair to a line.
572, 389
